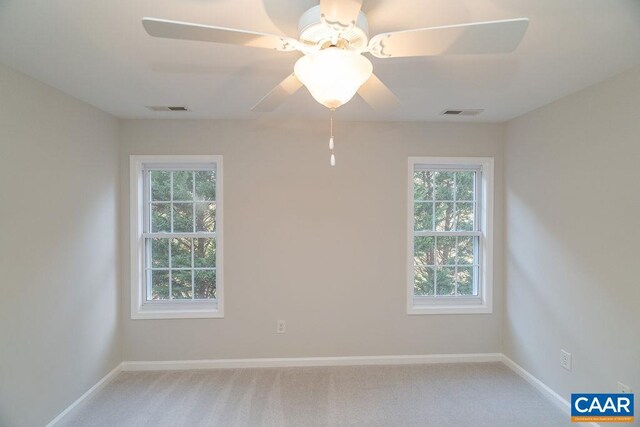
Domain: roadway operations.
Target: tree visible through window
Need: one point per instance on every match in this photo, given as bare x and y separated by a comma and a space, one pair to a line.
446, 237
180, 234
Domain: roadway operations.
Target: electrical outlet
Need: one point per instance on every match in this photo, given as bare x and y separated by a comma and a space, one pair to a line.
281, 328
623, 388
565, 360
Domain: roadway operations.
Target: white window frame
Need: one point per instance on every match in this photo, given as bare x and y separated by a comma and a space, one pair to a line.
483, 303
185, 309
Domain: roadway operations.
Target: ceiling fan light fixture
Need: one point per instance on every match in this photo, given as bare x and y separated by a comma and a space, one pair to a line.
333, 75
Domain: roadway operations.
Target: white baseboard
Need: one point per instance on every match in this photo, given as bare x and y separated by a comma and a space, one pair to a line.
539, 385
551, 395
93, 390
172, 365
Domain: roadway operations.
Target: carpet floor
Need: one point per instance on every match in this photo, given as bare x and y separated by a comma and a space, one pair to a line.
473, 394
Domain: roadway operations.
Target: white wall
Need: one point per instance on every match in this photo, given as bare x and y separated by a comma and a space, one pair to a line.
572, 235
322, 248
59, 295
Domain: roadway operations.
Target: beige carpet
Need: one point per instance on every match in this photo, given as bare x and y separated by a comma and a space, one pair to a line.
475, 394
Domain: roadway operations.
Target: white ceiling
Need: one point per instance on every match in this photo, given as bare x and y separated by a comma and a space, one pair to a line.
97, 51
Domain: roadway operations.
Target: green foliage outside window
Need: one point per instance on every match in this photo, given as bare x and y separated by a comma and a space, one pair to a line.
444, 202
182, 201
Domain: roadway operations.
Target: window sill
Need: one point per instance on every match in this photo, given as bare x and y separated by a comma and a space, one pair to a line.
177, 311
422, 306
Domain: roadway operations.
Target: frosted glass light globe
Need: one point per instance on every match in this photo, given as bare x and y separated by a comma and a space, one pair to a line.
333, 75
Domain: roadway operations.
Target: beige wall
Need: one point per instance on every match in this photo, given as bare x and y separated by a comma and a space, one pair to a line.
322, 248
572, 216
59, 327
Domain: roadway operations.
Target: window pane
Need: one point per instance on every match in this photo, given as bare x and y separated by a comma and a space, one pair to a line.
160, 217
423, 250
159, 284
204, 252
205, 217
465, 281
183, 185
466, 250
444, 185
476, 278
446, 251
181, 252
159, 253
160, 185
183, 217
205, 284
205, 185
423, 216
181, 284
423, 281
464, 216
444, 216
464, 185
445, 281
423, 185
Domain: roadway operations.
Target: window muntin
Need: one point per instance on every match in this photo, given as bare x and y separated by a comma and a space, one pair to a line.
450, 241
180, 233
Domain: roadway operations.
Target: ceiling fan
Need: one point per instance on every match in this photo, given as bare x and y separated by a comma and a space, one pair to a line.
333, 37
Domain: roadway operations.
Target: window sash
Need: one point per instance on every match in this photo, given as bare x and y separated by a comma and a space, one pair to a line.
477, 192
475, 266
149, 269
476, 233
173, 167
147, 235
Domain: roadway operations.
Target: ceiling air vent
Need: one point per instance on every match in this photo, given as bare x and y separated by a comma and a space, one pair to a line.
166, 108
462, 112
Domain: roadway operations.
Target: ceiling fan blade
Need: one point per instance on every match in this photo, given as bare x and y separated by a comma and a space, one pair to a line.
378, 95
476, 38
278, 95
207, 33
342, 12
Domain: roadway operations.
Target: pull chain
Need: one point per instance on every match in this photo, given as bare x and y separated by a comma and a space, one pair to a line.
332, 159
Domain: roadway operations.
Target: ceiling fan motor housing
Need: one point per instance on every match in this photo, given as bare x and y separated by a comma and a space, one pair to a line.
313, 29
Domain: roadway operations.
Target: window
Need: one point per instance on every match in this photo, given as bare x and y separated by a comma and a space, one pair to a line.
176, 237
450, 235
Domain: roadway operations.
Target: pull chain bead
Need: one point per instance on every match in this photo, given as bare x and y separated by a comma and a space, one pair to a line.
332, 159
